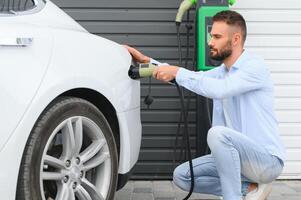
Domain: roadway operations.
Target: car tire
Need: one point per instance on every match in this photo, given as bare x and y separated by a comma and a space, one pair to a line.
70, 154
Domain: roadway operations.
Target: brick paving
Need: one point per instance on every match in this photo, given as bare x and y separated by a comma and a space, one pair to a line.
166, 190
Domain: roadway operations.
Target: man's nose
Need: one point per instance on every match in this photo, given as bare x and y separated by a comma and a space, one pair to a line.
210, 43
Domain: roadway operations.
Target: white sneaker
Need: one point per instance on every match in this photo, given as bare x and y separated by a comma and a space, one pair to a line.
261, 193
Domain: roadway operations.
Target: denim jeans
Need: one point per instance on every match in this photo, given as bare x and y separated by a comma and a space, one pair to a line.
235, 162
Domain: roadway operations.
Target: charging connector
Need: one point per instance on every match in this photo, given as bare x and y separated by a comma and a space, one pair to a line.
141, 70
185, 5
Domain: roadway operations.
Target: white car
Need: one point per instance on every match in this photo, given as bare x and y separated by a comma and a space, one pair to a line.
70, 115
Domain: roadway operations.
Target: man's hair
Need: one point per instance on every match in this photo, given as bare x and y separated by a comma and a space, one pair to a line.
232, 18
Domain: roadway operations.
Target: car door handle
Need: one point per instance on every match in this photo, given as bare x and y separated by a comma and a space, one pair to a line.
18, 42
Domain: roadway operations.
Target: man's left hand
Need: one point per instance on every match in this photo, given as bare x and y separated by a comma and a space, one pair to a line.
166, 73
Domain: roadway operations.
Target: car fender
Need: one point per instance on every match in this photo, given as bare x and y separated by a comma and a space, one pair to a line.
87, 57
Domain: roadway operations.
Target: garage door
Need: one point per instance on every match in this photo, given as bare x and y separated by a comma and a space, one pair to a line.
274, 32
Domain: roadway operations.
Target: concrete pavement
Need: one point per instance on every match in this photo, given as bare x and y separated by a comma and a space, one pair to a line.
166, 190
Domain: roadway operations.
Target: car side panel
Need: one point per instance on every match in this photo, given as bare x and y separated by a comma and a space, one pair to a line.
22, 69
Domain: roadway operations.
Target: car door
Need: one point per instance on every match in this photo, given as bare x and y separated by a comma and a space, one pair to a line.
25, 50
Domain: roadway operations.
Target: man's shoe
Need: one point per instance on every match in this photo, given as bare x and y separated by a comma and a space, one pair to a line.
260, 193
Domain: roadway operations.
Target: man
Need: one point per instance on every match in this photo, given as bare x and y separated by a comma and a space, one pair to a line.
246, 151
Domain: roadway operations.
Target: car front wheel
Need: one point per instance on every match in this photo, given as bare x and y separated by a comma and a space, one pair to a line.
70, 155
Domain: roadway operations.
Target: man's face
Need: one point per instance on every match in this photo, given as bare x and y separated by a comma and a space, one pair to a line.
221, 41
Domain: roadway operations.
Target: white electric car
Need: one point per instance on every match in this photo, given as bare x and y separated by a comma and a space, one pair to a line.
69, 113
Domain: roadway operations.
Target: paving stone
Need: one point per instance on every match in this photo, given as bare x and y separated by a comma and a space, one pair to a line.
175, 187
164, 194
181, 195
142, 196
205, 196
275, 198
165, 182
123, 195
162, 183
281, 189
295, 185
143, 190
287, 196
163, 186
167, 190
143, 184
129, 185
297, 189
284, 198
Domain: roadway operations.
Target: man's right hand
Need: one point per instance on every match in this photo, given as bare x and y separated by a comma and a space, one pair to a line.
137, 55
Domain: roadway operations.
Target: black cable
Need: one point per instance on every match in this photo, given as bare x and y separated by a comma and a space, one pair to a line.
183, 110
188, 28
184, 116
148, 100
181, 114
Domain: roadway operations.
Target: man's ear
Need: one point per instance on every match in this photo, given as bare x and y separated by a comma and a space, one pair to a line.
236, 39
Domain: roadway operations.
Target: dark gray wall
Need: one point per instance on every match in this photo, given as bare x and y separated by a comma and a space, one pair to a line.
149, 26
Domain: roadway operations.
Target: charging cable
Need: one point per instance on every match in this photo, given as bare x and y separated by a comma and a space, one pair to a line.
184, 112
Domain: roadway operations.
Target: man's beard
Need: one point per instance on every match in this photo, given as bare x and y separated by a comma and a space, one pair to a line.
223, 53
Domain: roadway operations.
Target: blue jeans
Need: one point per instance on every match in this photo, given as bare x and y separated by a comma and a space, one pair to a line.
235, 162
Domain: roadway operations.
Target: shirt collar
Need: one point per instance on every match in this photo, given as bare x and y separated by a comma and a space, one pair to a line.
239, 61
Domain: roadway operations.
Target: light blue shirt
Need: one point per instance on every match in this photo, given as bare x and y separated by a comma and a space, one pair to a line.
245, 93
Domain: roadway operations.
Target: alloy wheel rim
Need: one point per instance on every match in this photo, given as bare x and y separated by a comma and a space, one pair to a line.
81, 167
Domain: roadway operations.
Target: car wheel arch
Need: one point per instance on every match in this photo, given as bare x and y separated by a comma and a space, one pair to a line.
102, 103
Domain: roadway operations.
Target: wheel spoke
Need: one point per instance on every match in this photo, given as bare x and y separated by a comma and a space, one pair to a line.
92, 150
54, 162
82, 194
71, 194
65, 192
92, 190
95, 161
78, 135
52, 176
68, 140
62, 193
70, 153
